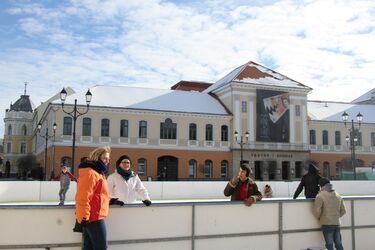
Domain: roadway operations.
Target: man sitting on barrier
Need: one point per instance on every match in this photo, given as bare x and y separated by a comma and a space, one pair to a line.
242, 187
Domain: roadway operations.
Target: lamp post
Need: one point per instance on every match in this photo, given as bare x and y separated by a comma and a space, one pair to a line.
241, 142
46, 136
352, 138
74, 114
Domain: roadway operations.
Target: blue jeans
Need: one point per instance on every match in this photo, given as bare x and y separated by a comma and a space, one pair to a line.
95, 236
332, 234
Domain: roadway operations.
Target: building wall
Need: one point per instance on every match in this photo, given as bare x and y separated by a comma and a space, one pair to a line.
298, 149
15, 137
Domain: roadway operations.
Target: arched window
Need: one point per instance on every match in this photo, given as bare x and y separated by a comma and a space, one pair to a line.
338, 170
325, 137
208, 169
124, 128
224, 169
326, 170
105, 127
10, 129
67, 127
312, 137
209, 132
142, 129
24, 130
86, 126
224, 133
192, 131
23, 148
168, 129
192, 168
142, 167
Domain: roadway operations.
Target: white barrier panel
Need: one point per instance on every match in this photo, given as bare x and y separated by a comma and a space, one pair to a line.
48, 191
270, 224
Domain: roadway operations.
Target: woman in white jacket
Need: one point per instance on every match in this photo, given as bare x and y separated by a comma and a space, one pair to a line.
125, 186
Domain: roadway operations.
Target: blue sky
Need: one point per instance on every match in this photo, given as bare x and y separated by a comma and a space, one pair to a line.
327, 45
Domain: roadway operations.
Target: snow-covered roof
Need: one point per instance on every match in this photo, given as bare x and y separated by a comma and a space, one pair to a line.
150, 99
332, 111
253, 73
365, 97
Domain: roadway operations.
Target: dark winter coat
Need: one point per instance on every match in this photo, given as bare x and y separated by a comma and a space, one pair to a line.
310, 182
234, 191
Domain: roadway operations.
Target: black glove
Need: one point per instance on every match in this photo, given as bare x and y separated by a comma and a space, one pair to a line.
116, 201
78, 227
147, 202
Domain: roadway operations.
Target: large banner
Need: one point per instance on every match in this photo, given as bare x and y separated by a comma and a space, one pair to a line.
272, 116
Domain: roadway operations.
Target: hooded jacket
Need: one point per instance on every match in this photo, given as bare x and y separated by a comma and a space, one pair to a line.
329, 206
92, 197
310, 182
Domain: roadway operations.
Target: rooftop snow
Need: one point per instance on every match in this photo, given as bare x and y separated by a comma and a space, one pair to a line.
150, 99
332, 111
253, 73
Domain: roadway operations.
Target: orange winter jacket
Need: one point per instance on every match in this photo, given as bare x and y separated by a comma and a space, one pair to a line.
92, 197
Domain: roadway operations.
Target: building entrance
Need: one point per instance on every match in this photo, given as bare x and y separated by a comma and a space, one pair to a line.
167, 168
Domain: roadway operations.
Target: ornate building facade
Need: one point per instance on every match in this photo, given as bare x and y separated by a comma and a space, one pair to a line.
188, 132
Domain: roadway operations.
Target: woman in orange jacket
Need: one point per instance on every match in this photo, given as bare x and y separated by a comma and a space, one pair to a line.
92, 199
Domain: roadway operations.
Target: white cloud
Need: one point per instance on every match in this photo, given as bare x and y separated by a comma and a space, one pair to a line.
325, 44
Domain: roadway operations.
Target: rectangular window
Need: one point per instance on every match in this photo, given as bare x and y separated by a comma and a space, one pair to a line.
373, 139
23, 148
325, 137
142, 129
9, 147
209, 132
244, 106
312, 137
359, 138
105, 128
192, 131
86, 126
224, 133
337, 138
298, 110
67, 127
124, 128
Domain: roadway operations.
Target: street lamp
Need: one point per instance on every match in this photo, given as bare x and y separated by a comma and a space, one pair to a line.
352, 138
74, 114
46, 136
241, 142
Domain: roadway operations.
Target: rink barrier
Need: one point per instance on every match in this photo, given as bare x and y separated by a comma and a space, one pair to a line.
271, 224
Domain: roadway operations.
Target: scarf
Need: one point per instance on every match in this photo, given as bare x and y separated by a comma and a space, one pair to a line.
126, 174
98, 166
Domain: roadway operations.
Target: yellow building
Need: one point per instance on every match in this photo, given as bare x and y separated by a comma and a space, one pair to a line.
18, 133
188, 131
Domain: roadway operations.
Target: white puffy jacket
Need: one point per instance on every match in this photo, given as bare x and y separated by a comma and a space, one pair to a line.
126, 191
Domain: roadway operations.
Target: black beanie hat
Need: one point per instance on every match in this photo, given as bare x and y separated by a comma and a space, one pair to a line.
118, 162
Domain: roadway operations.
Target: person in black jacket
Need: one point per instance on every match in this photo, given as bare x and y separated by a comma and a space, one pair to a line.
310, 182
